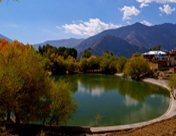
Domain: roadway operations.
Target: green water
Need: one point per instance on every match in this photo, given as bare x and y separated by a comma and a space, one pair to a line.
109, 100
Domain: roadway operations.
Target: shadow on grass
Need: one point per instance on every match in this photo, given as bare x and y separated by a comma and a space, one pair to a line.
34, 130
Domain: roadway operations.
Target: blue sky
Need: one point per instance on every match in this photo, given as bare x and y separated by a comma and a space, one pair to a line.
35, 21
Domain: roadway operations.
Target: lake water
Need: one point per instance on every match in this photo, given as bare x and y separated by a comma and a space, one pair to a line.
105, 100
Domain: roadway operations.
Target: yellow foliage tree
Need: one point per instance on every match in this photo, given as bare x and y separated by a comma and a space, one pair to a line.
26, 90
136, 67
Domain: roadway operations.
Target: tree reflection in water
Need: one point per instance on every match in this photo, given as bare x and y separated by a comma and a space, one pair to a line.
110, 100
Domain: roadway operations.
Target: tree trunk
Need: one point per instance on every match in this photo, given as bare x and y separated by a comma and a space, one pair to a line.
17, 119
43, 122
8, 116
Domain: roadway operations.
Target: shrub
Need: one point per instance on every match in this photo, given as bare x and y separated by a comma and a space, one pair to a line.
136, 67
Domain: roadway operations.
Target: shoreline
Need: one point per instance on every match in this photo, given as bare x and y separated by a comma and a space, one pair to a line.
171, 112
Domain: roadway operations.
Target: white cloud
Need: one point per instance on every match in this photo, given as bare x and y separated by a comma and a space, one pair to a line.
144, 3
129, 11
147, 23
167, 9
89, 28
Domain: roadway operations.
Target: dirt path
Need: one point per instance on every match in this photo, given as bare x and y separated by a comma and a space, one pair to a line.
164, 128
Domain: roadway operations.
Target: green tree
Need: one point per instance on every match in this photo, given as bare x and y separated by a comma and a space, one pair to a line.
90, 64
83, 65
105, 62
59, 58
136, 67
47, 51
66, 52
59, 66
26, 90
87, 53
120, 64
61, 104
108, 63
93, 63
71, 65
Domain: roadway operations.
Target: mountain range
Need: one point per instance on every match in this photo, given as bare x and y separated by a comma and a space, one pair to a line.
68, 43
130, 39
4, 37
123, 41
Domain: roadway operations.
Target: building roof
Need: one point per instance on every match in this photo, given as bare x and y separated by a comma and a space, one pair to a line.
172, 52
155, 53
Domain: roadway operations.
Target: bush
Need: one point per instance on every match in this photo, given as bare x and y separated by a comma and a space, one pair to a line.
108, 63
120, 65
136, 67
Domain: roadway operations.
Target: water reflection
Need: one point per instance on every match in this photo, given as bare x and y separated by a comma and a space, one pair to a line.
96, 85
130, 101
109, 100
93, 91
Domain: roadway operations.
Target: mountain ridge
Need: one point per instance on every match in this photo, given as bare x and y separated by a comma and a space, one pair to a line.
138, 35
69, 43
4, 37
123, 41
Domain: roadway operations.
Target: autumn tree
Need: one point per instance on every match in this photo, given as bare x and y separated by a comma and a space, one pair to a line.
93, 63
136, 67
108, 63
59, 59
120, 64
26, 90
71, 65
83, 65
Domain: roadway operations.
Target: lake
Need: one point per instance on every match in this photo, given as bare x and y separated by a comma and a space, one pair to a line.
105, 100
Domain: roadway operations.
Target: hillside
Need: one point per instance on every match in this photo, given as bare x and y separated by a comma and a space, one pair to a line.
69, 43
115, 45
137, 36
145, 36
4, 37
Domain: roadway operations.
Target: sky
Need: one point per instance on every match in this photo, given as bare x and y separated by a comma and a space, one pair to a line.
35, 21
